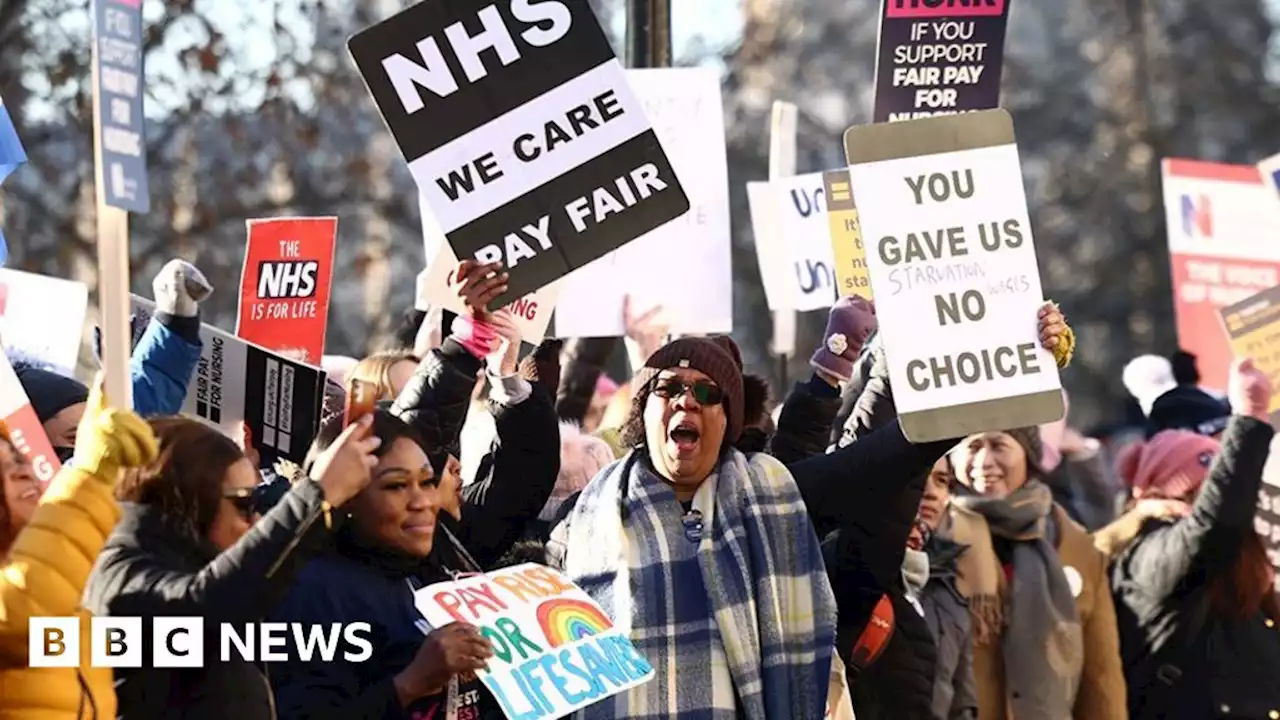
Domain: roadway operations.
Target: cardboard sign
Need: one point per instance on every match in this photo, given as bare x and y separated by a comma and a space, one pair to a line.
39, 331
24, 426
938, 58
1253, 328
284, 287
532, 312
793, 242
696, 292
1221, 222
118, 73
236, 381
1270, 169
852, 276
953, 269
520, 131
555, 650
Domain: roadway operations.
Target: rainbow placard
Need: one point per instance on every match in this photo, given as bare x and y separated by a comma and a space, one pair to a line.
555, 650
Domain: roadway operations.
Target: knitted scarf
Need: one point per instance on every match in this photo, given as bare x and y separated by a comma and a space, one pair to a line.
1043, 645
767, 596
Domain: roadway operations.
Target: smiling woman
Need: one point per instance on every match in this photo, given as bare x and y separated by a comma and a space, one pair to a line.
682, 522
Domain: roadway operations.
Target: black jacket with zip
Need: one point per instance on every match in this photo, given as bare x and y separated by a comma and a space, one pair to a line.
151, 568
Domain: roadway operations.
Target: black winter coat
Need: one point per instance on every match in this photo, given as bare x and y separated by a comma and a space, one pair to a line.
583, 361
514, 479
1161, 583
149, 568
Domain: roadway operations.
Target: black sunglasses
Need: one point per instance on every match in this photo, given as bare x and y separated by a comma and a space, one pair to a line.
704, 391
244, 501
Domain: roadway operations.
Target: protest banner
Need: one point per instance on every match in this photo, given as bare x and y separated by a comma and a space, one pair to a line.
555, 650
793, 242
120, 172
532, 312
520, 131
953, 269
1220, 221
684, 107
1270, 169
848, 254
1253, 330
238, 382
12, 155
36, 330
937, 57
284, 286
23, 426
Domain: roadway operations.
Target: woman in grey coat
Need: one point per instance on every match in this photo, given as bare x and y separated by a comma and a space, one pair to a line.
929, 571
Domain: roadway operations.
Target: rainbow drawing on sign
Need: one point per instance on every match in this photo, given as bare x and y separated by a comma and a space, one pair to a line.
566, 621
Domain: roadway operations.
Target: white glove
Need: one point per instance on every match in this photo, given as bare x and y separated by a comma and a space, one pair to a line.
179, 287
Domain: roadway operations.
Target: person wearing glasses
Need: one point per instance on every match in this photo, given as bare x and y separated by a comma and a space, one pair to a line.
190, 543
705, 556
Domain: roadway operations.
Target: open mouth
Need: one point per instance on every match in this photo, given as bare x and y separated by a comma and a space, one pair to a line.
685, 436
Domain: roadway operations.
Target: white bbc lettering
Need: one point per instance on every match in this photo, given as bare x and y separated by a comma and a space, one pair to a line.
115, 642
53, 642
434, 74
357, 634
177, 642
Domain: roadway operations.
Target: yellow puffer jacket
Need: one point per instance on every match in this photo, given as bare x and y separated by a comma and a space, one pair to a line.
44, 575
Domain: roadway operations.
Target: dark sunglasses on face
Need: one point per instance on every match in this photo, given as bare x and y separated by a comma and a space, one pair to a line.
243, 500
704, 391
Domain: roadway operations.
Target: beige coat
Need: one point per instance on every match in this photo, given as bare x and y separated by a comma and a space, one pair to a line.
981, 579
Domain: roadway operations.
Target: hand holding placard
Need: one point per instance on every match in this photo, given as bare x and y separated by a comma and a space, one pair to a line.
451, 650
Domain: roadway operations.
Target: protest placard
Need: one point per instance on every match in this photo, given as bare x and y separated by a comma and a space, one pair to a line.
120, 174
236, 381
119, 82
696, 294
555, 650
284, 287
532, 312
848, 254
23, 426
12, 155
1220, 221
1270, 169
953, 269
520, 131
1253, 329
793, 242
36, 330
938, 57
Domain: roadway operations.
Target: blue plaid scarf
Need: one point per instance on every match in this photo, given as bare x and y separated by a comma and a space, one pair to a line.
737, 582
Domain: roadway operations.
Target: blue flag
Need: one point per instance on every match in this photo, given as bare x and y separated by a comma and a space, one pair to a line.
11, 156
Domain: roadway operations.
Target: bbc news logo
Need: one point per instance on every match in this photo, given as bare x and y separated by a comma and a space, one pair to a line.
179, 642
1197, 216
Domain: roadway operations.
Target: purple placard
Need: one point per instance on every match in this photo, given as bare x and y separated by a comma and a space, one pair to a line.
938, 57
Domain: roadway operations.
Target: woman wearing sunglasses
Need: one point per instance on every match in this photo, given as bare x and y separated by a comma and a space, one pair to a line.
703, 555
190, 544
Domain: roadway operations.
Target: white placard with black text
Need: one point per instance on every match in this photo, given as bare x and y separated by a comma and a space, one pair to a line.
954, 274
793, 242
520, 131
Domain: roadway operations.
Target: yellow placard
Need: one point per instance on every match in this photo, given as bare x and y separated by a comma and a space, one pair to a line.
1253, 327
852, 277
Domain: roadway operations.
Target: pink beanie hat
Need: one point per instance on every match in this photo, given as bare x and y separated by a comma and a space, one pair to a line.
1171, 465
605, 386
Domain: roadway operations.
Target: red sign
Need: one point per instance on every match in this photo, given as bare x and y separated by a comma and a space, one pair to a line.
1222, 249
25, 431
284, 289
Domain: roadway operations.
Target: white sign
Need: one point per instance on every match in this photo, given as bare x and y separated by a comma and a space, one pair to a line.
532, 313
793, 242
954, 274
685, 265
35, 329
238, 382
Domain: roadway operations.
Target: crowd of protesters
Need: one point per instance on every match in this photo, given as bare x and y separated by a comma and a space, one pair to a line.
771, 561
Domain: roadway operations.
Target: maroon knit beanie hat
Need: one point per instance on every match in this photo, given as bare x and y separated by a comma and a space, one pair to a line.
705, 356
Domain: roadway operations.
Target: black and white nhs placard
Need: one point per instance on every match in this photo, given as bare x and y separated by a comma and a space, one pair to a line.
521, 132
